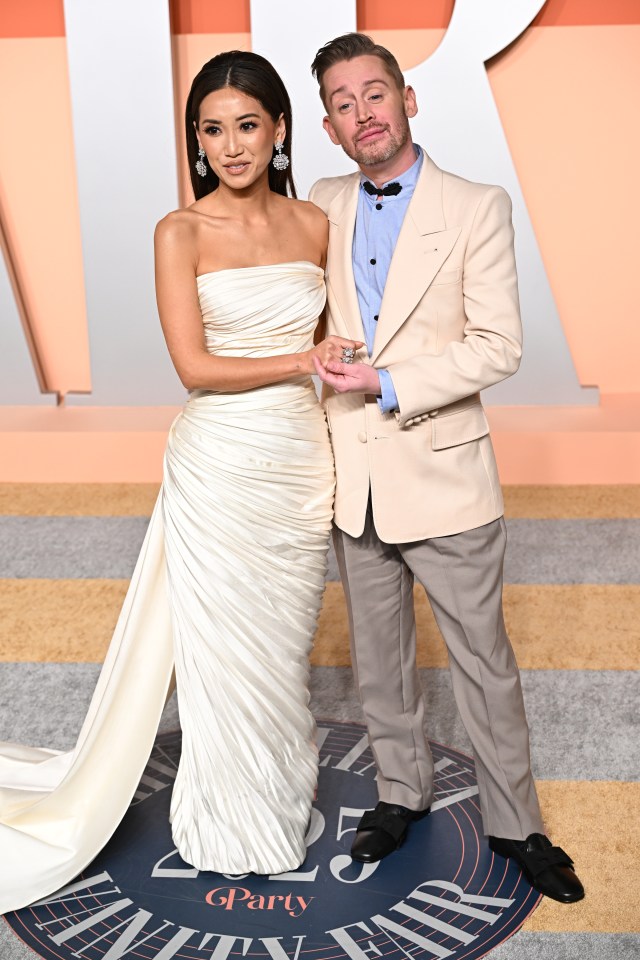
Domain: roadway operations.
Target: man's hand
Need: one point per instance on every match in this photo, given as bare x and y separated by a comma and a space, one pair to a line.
330, 349
348, 377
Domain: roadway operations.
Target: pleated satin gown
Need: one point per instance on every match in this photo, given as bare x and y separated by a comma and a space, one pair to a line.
227, 590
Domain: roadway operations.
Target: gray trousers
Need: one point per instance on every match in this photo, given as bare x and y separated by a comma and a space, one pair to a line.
462, 575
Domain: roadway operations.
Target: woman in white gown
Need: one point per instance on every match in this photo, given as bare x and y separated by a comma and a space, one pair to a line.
229, 581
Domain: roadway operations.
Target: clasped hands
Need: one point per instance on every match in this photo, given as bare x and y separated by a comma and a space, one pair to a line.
343, 377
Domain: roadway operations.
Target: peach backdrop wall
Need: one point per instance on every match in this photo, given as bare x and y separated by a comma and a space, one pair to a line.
566, 93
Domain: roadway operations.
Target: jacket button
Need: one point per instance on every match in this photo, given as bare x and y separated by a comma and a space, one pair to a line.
362, 437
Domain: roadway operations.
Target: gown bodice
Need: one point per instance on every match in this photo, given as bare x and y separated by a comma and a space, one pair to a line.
261, 311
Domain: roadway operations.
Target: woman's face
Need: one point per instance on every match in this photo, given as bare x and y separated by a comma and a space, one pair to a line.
238, 136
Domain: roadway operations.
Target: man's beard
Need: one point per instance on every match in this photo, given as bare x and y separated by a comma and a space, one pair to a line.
370, 155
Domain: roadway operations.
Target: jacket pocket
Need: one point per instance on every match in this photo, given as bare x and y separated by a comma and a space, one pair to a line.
447, 276
456, 428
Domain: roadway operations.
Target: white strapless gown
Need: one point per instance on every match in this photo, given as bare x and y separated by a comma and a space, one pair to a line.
243, 520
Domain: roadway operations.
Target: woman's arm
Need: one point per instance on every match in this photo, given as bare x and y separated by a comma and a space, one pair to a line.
181, 319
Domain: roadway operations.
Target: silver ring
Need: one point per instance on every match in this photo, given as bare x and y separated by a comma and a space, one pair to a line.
348, 352
346, 359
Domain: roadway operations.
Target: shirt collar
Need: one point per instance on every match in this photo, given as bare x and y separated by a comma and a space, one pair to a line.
407, 180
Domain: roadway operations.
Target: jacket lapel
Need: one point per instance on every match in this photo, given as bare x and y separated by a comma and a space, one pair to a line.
342, 218
423, 245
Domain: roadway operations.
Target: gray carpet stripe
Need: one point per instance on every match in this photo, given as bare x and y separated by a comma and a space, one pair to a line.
539, 551
573, 551
584, 724
525, 945
44, 704
11, 947
566, 551
61, 548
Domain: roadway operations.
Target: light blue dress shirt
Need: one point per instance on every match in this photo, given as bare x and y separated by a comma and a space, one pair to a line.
378, 224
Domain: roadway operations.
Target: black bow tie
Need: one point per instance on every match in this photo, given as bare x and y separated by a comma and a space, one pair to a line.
391, 189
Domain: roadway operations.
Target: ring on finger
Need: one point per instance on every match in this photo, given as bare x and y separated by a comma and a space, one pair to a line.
348, 352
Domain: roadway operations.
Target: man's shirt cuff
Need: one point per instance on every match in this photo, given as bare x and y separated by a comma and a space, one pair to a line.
388, 400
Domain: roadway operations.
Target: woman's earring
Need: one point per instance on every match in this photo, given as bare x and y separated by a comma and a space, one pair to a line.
281, 160
201, 167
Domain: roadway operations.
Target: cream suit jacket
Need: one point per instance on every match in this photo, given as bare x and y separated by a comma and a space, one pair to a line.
448, 327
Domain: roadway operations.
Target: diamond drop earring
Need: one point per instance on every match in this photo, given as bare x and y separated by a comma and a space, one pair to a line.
281, 160
201, 167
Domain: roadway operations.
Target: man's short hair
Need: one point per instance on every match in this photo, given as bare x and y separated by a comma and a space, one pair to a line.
347, 47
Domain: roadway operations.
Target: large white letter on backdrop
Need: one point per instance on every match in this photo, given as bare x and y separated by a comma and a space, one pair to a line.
460, 127
120, 72
289, 34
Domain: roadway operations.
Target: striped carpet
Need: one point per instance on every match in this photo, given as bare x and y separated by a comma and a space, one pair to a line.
572, 600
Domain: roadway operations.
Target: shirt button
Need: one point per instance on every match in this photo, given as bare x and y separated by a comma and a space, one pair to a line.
376, 316
378, 206
362, 437
372, 261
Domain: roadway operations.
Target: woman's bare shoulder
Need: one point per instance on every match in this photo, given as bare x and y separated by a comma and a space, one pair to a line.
305, 208
175, 226
176, 241
311, 218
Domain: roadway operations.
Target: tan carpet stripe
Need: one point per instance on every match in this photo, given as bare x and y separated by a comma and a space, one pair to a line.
577, 627
137, 499
64, 621
78, 499
69, 621
572, 502
577, 813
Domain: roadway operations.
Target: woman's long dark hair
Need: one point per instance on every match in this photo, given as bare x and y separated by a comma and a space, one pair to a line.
255, 77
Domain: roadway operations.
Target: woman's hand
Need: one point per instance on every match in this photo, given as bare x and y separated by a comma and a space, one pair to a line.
330, 350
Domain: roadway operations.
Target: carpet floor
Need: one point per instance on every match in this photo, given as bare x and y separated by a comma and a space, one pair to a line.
572, 604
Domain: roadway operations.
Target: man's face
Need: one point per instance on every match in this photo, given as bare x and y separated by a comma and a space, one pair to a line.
367, 114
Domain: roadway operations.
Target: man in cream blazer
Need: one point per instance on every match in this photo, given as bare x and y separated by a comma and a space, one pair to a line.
421, 267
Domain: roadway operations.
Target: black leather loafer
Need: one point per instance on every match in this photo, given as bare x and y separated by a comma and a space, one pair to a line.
548, 869
381, 831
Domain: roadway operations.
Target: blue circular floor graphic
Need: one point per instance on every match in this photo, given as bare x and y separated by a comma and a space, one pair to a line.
442, 894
